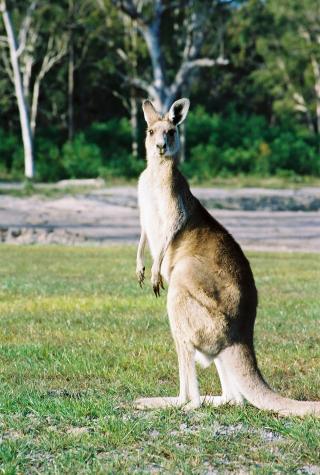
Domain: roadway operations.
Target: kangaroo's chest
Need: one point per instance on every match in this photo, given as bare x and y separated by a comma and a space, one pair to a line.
152, 213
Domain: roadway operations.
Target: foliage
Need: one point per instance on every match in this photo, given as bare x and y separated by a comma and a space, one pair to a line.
258, 115
80, 158
10, 153
217, 145
291, 59
80, 341
50, 166
236, 143
113, 137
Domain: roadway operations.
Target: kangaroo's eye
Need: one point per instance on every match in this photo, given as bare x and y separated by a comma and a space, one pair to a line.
171, 132
150, 131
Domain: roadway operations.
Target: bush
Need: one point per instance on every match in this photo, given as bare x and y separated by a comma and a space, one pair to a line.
236, 144
49, 166
113, 138
122, 166
291, 152
11, 155
81, 159
216, 145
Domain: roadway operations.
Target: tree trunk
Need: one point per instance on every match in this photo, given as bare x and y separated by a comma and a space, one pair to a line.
34, 105
71, 74
134, 124
182, 143
21, 100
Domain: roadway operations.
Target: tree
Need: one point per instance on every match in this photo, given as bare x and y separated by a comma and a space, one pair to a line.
15, 52
149, 17
291, 53
32, 55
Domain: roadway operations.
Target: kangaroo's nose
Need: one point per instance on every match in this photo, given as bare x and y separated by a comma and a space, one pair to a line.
162, 147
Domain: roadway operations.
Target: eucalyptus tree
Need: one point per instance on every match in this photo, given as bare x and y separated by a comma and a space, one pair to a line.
14, 71
175, 36
291, 53
28, 56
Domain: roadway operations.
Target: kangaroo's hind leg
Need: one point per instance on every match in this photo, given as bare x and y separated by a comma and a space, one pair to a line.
189, 319
230, 392
189, 396
198, 324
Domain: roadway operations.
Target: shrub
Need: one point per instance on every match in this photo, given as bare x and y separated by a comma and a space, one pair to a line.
112, 137
11, 155
223, 144
201, 128
81, 159
49, 166
236, 144
292, 152
122, 166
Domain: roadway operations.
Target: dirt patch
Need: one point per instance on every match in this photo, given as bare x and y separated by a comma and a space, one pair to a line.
258, 219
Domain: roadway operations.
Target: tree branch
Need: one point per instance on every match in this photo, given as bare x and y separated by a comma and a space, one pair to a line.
25, 27
7, 66
144, 85
298, 99
27, 60
53, 55
3, 6
129, 8
188, 66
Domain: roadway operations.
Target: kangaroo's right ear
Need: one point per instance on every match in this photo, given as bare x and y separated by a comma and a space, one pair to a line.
150, 114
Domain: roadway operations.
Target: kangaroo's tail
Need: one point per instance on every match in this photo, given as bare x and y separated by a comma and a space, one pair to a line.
240, 363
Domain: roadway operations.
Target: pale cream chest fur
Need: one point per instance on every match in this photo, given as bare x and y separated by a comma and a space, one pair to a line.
150, 213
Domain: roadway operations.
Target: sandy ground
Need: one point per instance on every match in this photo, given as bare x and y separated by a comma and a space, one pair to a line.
258, 219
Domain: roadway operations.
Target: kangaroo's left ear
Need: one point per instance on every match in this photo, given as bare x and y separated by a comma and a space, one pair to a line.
178, 111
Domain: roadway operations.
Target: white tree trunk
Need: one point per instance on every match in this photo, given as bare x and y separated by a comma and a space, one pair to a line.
21, 100
34, 105
134, 124
316, 73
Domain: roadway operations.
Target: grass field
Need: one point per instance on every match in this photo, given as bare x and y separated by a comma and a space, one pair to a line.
80, 340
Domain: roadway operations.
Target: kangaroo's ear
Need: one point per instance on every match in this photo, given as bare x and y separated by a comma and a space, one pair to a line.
178, 111
150, 114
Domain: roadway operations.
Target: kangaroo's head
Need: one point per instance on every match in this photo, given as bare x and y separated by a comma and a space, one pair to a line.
162, 139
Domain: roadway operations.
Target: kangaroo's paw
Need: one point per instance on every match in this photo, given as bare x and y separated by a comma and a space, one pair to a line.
157, 402
217, 401
156, 281
140, 274
192, 405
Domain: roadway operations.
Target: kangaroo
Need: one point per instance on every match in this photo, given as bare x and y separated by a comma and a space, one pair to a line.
212, 298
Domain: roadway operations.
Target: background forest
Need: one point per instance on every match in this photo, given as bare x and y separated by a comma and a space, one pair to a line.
73, 75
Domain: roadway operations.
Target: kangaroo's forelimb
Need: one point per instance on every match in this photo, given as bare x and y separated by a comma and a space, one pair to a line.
140, 267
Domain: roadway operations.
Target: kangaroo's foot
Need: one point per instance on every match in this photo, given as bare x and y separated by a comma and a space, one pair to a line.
163, 402
217, 401
157, 402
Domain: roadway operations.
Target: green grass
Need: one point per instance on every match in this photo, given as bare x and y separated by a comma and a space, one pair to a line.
79, 341
46, 191
52, 191
252, 181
